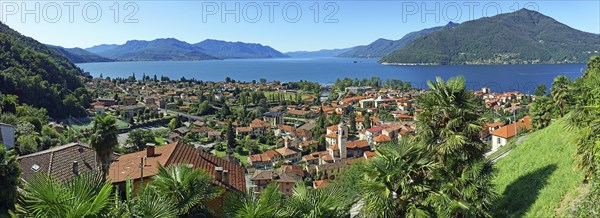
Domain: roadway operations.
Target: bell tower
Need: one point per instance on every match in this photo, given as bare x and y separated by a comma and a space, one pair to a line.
342, 138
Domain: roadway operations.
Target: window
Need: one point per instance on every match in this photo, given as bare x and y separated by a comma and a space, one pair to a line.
499, 140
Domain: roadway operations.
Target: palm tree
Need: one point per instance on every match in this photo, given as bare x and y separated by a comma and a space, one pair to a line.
251, 205
397, 182
147, 203
449, 127
187, 187
104, 140
314, 203
560, 93
585, 117
450, 123
82, 196
541, 112
470, 195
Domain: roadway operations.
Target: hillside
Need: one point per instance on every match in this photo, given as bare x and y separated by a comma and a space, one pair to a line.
156, 50
101, 48
39, 76
78, 55
228, 50
523, 36
317, 54
382, 47
170, 49
536, 175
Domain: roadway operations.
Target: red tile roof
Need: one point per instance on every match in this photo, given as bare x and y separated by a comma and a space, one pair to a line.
127, 166
509, 130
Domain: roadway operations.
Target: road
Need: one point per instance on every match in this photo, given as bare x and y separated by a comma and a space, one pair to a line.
188, 116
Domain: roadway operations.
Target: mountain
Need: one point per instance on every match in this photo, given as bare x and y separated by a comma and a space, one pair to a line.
78, 55
523, 36
176, 50
319, 53
382, 47
156, 50
40, 76
229, 50
101, 48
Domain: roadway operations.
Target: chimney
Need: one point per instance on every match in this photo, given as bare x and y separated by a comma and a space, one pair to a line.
75, 167
226, 176
219, 173
149, 150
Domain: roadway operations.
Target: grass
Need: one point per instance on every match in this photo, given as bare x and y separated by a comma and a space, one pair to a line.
535, 177
160, 140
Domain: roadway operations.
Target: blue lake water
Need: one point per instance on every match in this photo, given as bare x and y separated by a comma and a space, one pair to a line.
500, 78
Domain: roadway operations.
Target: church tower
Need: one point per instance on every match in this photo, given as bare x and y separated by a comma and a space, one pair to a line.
342, 138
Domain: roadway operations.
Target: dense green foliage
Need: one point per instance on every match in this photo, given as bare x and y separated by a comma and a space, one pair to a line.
9, 179
78, 55
39, 76
534, 178
523, 36
82, 196
187, 188
541, 112
382, 47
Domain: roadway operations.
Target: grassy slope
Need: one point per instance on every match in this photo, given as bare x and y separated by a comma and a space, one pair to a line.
533, 179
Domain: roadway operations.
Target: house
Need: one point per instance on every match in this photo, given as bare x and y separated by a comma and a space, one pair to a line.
501, 136
241, 132
225, 174
259, 127
7, 135
357, 148
61, 162
285, 180
129, 100
273, 118
289, 154
264, 160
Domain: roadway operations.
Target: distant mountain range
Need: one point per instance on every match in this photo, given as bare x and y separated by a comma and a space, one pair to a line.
523, 36
78, 55
319, 53
382, 47
170, 49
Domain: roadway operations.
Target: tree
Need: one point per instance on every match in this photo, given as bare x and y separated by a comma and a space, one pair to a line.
9, 179
560, 93
188, 188
139, 138
352, 122
585, 117
449, 127
397, 182
230, 135
540, 90
104, 140
225, 112
541, 112
27, 144
367, 121
324, 202
81, 196
174, 123
251, 205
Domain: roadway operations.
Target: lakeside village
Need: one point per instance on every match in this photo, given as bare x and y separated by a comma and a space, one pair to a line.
249, 134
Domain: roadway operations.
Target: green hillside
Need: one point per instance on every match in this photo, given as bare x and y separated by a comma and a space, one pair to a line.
534, 178
523, 36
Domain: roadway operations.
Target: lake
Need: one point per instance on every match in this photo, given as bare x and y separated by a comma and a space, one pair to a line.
500, 78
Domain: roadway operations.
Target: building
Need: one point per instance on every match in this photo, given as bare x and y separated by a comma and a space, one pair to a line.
225, 174
273, 118
285, 180
7, 135
501, 136
61, 162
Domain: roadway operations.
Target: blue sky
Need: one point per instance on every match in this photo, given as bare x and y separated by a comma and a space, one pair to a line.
351, 22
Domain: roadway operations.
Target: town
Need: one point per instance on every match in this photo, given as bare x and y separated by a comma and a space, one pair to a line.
251, 134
